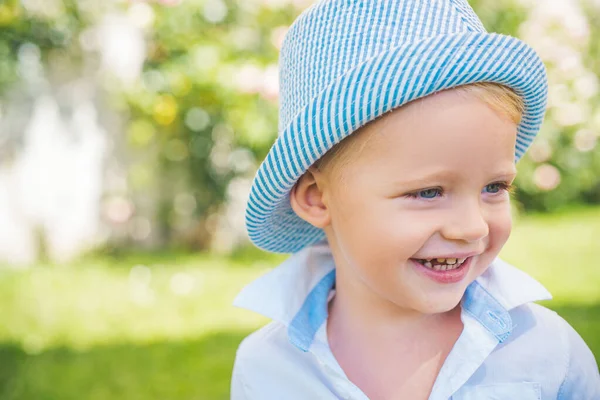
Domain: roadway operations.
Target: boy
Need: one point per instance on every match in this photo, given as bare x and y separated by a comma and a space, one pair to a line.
400, 125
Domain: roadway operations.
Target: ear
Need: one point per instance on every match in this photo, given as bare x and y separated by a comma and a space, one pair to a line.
308, 200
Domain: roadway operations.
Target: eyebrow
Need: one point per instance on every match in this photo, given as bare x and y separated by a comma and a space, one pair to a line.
445, 175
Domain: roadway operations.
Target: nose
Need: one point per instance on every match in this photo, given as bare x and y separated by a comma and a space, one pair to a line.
466, 223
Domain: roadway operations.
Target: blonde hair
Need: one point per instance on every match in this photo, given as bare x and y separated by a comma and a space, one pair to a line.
499, 97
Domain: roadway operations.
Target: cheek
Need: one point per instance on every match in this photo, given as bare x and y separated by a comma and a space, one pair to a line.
360, 228
379, 234
367, 232
500, 226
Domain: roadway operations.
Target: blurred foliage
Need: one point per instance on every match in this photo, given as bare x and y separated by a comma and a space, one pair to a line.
562, 167
162, 326
203, 110
190, 106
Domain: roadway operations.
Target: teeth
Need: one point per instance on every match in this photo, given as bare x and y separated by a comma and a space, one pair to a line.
442, 267
438, 264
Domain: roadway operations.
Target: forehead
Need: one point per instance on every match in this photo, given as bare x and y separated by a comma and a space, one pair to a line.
448, 130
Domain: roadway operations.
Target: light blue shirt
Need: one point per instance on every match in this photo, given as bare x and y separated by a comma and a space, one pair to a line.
510, 348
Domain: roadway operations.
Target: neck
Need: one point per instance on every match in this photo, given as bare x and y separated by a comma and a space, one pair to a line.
375, 341
356, 310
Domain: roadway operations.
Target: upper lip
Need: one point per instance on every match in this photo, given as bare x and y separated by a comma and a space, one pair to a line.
453, 255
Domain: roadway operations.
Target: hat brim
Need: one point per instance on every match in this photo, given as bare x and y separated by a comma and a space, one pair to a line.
380, 84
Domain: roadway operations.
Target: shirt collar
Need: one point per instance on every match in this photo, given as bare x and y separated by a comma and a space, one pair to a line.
295, 294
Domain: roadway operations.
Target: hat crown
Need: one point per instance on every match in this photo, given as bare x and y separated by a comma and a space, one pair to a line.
334, 36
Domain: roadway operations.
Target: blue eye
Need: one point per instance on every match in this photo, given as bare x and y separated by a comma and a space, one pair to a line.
492, 188
429, 193
497, 187
426, 194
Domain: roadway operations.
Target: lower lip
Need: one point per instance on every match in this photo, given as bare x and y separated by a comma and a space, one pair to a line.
451, 276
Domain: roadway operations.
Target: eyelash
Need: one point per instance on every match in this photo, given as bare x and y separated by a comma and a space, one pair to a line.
504, 186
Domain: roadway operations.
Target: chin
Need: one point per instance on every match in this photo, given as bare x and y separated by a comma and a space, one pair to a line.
441, 305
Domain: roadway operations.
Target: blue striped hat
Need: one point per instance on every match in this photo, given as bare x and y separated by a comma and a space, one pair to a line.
343, 63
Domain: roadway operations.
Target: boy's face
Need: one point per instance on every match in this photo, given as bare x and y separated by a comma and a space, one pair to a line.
430, 182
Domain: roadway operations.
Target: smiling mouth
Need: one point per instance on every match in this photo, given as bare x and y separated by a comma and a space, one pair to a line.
442, 264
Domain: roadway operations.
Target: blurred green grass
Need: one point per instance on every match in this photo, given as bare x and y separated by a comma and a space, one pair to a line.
161, 326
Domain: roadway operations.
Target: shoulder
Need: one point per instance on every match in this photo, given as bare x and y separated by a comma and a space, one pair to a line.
538, 337
266, 363
543, 337
253, 353
269, 343
537, 319
543, 329
545, 326
259, 348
